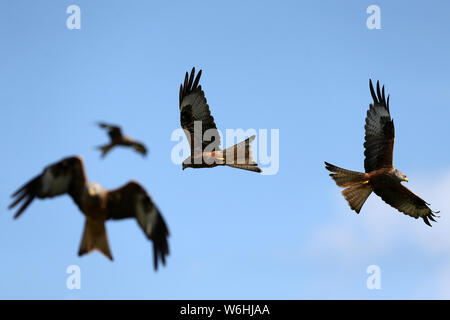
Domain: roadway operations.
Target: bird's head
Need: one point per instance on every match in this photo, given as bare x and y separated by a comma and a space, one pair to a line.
401, 176
95, 190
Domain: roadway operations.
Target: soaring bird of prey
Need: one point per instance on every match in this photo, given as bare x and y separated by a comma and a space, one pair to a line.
98, 205
380, 175
202, 133
119, 139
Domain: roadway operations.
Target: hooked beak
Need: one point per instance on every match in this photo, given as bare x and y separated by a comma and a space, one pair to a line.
406, 179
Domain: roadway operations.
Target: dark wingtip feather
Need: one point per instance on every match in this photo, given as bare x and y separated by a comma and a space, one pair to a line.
329, 167
372, 92
191, 79
190, 84
431, 217
17, 200
155, 257
24, 206
186, 78
378, 91
379, 96
24, 195
197, 79
21, 189
81, 252
160, 243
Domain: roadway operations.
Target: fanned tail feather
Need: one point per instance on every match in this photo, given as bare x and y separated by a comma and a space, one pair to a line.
240, 156
344, 177
94, 237
357, 195
356, 183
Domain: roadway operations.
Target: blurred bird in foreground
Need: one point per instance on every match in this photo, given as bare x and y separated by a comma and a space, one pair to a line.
98, 205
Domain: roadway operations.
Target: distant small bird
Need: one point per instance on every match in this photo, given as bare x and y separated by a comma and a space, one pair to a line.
380, 175
118, 139
98, 205
207, 154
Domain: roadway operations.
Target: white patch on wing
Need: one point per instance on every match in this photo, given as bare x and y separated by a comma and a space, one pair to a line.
52, 186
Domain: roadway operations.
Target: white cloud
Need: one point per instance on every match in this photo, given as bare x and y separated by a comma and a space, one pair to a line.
380, 233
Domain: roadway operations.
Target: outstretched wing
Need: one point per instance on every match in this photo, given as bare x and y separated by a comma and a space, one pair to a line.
404, 200
65, 176
114, 132
132, 201
194, 108
380, 133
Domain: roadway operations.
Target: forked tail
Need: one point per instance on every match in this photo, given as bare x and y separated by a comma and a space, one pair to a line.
94, 237
356, 184
240, 156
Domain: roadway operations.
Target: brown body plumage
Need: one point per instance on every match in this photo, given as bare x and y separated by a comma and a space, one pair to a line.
380, 175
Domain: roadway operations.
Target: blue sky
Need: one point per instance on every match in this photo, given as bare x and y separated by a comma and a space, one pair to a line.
299, 66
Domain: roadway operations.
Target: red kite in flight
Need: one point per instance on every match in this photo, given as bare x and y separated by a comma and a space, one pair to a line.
118, 139
202, 133
380, 175
98, 205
